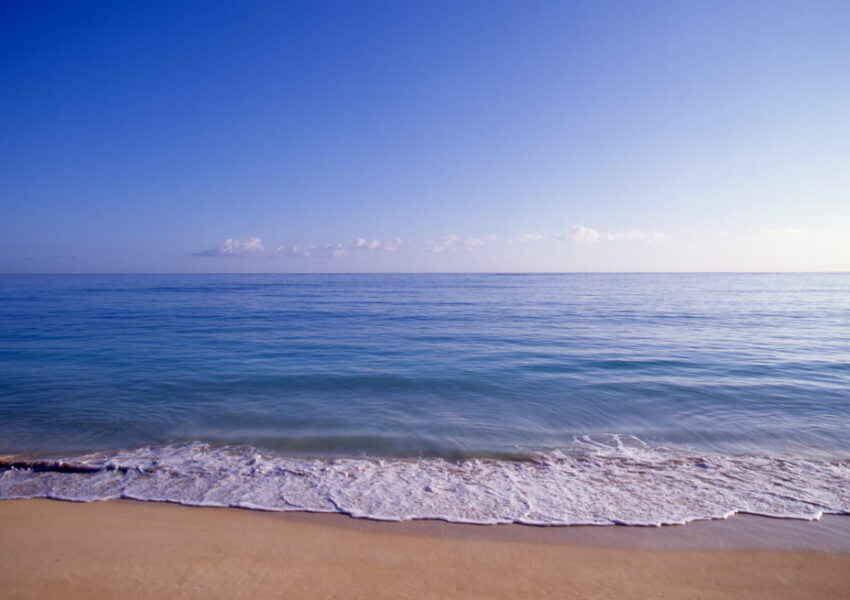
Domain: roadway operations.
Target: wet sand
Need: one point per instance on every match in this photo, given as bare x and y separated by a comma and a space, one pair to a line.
125, 549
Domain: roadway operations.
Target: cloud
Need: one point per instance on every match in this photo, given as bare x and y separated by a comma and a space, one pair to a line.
339, 250
390, 245
580, 234
447, 241
452, 242
586, 235
252, 246
295, 250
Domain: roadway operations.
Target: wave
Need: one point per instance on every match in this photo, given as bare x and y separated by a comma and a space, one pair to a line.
597, 480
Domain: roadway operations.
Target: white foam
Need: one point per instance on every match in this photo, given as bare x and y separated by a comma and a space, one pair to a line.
599, 481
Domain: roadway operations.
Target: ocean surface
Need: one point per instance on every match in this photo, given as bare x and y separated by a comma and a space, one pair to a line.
640, 399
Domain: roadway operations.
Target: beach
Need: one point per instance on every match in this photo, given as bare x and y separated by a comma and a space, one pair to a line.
127, 549
424, 436
425, 300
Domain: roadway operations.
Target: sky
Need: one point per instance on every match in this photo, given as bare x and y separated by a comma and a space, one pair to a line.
414, 136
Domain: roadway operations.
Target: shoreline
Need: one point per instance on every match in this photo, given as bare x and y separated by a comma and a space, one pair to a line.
607, 481
745, 532
741, 532
130, 549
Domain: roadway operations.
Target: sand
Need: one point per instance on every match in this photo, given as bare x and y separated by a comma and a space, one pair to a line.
124, 549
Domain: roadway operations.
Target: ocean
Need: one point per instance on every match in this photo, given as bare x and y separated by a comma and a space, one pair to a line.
546, 399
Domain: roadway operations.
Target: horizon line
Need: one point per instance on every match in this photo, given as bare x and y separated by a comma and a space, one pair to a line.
814, 272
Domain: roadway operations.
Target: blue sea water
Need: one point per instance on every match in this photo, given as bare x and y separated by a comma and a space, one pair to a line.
393, 379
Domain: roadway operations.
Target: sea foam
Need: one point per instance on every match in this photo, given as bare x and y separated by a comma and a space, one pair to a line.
596, 480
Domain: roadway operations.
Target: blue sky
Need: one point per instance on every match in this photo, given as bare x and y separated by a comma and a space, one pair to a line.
424, 136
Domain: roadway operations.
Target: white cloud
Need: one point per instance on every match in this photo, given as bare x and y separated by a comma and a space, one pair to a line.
447, 241
452, 242
336, 250
586, 235
339, 250
252, 246
295, 250
390, 245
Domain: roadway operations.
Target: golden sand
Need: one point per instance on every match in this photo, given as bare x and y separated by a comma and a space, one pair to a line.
122, 549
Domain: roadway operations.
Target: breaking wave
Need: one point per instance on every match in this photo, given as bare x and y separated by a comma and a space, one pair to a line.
597, 480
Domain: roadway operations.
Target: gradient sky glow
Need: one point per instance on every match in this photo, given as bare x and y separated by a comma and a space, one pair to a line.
424, 136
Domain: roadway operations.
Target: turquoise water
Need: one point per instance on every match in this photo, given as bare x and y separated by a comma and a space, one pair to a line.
429, 371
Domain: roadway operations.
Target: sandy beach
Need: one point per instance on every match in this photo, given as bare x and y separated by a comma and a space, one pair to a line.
125, 549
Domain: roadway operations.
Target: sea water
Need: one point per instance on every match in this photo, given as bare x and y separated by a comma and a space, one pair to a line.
544, 399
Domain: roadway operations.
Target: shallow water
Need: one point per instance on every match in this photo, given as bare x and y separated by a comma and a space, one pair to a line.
646, 398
